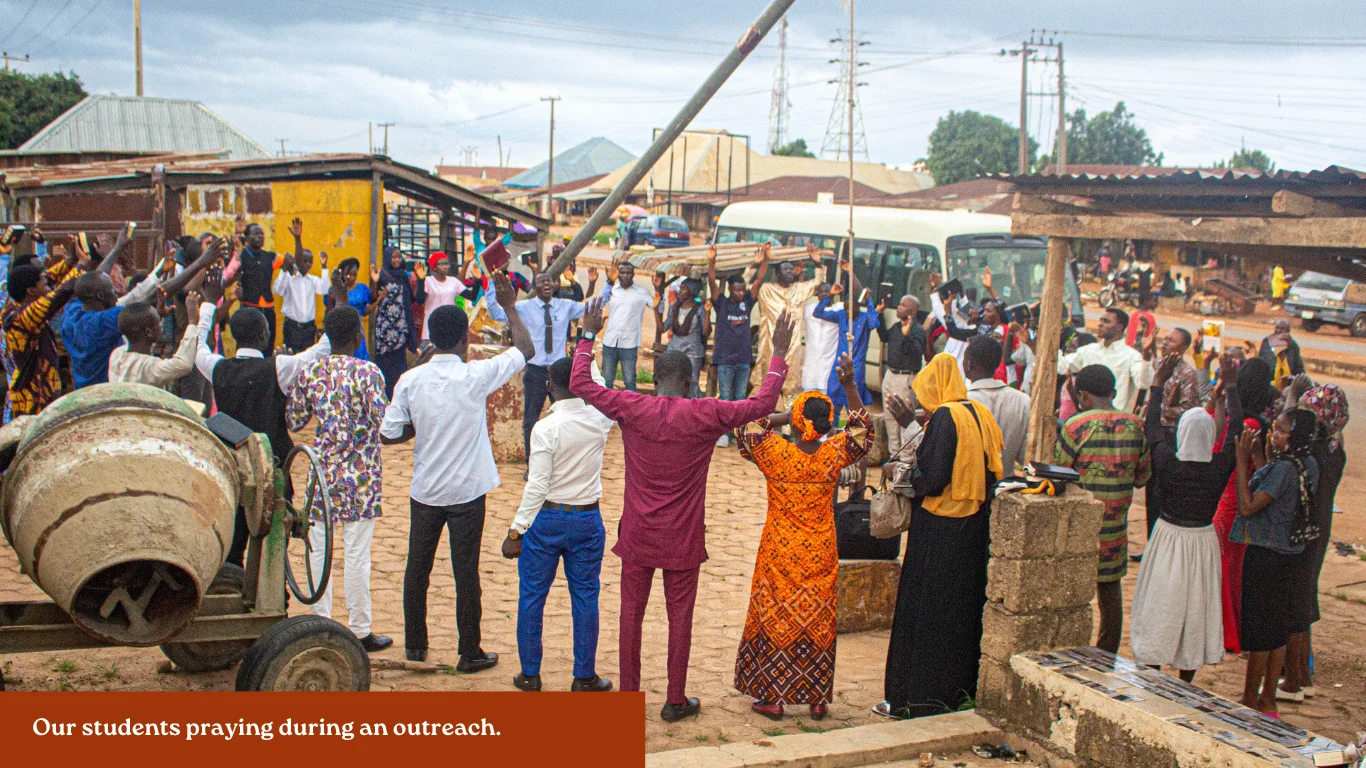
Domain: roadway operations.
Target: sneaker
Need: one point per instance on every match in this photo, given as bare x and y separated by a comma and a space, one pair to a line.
723, 441
1289, 696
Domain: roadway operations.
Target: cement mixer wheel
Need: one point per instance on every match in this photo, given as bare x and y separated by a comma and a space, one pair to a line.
305, 653
213, 655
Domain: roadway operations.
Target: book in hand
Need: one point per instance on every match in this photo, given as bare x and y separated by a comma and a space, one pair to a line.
229, 430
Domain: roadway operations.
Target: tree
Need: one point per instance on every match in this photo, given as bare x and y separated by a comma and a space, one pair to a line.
1248, 159
29, 102
965, 145
1109, 138
794, 148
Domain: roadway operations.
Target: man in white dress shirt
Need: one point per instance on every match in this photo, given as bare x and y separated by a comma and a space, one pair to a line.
559, 519
441, 405
299, 292
1133, 370
822, 341
1008, 405
625, 313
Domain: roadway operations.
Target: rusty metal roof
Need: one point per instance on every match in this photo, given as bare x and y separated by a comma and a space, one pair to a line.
1138, 178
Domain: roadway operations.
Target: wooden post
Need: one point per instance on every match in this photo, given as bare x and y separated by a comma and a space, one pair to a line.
376, 246
1043, 432
157, 247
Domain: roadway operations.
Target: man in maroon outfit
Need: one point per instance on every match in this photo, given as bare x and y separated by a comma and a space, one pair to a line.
669, 441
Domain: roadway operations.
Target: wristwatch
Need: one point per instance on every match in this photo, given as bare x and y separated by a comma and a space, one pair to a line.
587, 336
514, 534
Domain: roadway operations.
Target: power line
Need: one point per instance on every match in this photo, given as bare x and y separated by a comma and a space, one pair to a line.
1277, 42
81, 20
21, 21
40, 32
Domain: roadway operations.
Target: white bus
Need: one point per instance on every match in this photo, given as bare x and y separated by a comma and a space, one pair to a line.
896, 249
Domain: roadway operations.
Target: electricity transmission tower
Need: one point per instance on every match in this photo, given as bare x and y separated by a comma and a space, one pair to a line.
836, 142
778, 117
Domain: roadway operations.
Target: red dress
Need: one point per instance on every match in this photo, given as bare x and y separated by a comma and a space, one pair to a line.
1231, 554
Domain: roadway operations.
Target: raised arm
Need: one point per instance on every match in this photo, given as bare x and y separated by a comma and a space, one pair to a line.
1249, 503
507, 303
733, 414
215, 251
582, 384
713, 289
125, 236
761, 268
1152, 425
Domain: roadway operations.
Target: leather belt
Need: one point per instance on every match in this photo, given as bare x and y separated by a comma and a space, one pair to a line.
899, 372
550, 505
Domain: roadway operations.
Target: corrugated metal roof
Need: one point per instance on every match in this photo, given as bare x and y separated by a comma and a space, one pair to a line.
102, 123
1235, 178
594, 157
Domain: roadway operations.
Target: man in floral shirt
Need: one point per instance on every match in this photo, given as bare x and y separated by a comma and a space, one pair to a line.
347, 396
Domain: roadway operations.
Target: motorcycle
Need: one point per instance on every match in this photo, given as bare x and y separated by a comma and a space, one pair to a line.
1120, 288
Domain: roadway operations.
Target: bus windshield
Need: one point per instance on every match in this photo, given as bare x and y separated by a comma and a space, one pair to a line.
1017, 271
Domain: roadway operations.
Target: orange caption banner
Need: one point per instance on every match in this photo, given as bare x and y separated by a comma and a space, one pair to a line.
205, 730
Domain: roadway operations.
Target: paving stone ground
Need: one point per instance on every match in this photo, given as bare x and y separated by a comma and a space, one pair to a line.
735, 514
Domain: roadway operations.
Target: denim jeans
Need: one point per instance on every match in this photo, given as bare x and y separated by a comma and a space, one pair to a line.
731, 381
626, 357
578, 538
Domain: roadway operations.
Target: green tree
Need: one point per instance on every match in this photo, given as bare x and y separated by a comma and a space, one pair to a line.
29, 102
1248, 159
965, 145
794, 148
1109, 138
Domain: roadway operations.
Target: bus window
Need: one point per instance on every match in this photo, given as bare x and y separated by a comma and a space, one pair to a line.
726, 235
868, 256
1017, 272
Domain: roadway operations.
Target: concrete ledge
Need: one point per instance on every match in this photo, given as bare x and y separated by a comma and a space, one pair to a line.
863, 745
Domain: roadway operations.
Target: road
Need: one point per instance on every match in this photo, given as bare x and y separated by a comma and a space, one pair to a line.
1328, 339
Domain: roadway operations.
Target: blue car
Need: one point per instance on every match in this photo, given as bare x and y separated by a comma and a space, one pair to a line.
658, 231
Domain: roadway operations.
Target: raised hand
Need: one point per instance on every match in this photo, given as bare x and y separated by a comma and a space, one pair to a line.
322, 259
900, 410
235, 293
986, 278
192, 301
125, 234
1299, 385
374, 274
844, 370
296, 227
813, 253
592, 316
212, 288
1246, 441
420, 269
592, 274
613, 270
657, 280
711, 254
503, 291
1166, 368
836, 288
1228, 370
782, 335
288, 263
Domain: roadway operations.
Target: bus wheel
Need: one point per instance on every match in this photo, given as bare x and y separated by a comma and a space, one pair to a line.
1312, 326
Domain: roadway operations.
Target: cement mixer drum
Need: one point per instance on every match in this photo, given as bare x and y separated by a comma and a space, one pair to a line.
120, 504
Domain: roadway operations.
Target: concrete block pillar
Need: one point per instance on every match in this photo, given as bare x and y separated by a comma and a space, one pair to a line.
1040, 581
504, 412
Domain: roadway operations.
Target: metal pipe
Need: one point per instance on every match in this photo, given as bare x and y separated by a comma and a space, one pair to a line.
743, 47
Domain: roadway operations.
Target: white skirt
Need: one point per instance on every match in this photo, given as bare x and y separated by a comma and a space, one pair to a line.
1178, 617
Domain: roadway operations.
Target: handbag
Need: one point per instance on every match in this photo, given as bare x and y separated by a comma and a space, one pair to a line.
889, 513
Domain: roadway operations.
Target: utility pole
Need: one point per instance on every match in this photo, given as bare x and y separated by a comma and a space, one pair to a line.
550, 179
1024, 109
853, 103
1061, 148
386, 127
137, 42
370, 145
8, 58
282, 146
500, 153
1037, 39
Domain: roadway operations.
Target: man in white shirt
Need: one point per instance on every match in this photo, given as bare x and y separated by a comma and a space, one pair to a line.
134, 363
1133, 370
299, 292
625, 313
559, 518
822, 341
1008, 405
441, 405
252, 387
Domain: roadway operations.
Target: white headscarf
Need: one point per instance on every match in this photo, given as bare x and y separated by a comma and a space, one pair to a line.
1195, 436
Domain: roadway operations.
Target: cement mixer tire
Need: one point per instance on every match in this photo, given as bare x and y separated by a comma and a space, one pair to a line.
214, 655
305, 653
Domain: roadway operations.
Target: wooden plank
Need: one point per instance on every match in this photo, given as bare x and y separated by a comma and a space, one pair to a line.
1035, 204
1294, 204
1160, 188
1043, 423
1310, 232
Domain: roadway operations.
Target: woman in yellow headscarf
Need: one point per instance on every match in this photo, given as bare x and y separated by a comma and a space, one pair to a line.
934, 652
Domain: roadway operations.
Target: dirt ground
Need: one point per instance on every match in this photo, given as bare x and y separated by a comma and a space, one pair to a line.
735, 516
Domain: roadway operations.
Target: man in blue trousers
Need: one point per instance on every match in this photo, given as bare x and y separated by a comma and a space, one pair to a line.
558, 520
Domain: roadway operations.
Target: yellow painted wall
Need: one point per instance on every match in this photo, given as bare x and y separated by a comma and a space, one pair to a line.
336, 217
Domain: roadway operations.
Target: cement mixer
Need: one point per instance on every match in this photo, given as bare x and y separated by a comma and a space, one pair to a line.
120, 502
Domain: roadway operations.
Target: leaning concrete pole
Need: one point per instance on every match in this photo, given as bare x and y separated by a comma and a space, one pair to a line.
747, 43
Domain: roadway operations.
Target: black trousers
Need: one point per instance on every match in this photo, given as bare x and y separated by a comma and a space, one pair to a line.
299, 336
535, 391
466, 525
1110, 596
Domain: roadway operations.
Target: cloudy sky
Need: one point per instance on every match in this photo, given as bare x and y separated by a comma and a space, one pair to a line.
1203, 77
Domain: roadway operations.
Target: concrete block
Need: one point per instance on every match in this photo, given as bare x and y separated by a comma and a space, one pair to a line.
1104, 740
1005, 698
867, 594
1074, 628
1026, 586
1045, 526
504, 412
1005, 634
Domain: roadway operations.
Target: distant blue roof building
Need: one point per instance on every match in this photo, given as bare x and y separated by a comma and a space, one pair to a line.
594, 157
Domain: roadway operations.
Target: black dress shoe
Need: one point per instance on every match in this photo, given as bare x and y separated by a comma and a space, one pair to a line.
373, 643
672, 713
593, 683
472, 664
530, 683
415, 654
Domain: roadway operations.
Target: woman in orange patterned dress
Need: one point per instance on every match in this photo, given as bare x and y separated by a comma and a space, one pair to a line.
787, 652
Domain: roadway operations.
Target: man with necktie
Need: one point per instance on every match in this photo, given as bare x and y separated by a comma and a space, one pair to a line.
548, 319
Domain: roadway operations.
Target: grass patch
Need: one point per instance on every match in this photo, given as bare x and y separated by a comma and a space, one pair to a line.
723, 738
64, 666
1347, 598
773, 731
644, 377
809, 727
701, 737
110, 673
65, 686
968, 705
